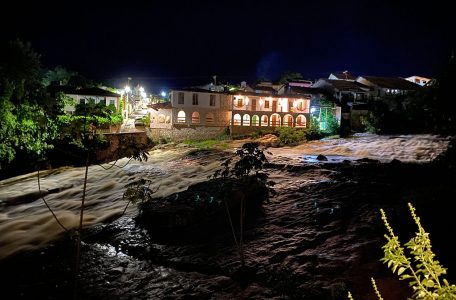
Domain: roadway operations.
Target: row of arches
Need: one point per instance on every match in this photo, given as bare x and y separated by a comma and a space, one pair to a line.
274, 120
208, 117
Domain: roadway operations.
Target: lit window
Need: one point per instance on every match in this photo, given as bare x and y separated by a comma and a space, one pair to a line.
181, 117
209, 118
266, 104
195, 117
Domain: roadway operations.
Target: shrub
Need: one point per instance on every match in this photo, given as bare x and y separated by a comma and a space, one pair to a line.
290, 135
419, 267
146, 120
314, 132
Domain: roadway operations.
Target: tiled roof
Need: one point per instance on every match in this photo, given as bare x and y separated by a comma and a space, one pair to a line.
94, 91
344, 85
392, 82
305, 90
265, 95
264, 88
197, 90
162, 105
344, 76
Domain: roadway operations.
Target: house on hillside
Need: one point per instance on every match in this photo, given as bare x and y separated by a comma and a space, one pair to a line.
419, 80
85, 95
346, 92
384, 86
351, 98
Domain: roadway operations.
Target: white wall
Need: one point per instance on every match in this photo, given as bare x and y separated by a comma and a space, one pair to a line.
203, 99
78, 98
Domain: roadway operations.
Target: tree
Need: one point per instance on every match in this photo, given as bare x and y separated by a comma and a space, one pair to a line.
58, 74
289, 76
79, 81
20, 71
25, 126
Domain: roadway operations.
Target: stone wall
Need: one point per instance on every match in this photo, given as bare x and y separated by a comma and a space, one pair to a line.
247, 130
118, 144
180, 133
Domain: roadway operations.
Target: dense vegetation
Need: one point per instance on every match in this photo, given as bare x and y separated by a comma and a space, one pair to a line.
32, 123
432, 109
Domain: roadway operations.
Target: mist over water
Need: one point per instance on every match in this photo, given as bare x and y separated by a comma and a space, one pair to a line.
27, 226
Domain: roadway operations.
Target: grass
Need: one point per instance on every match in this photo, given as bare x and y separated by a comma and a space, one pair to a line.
206, 145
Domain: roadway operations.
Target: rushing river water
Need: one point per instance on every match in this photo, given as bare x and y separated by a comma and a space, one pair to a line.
26, 224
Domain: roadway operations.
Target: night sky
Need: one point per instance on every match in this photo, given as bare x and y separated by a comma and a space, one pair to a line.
171, 43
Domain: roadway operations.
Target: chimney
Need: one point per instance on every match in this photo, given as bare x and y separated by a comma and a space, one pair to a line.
243, 84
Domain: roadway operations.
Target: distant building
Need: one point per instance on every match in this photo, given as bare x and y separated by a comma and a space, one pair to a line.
382, 86
419, 80
345, 91
85, 95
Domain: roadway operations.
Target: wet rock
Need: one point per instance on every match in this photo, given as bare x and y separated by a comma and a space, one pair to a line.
268, 140
368, 160
396, 162
321, 157
202, 209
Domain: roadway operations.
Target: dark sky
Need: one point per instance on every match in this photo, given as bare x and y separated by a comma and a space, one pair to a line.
171, 43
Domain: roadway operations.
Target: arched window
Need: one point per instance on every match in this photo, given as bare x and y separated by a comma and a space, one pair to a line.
195, 117
264, 120
255, 120
275, 120
288, 121
209, 118
301, 121
181, 117
237, 119
246, 120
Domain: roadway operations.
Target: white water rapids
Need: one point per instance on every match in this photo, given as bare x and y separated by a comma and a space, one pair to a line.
27, 226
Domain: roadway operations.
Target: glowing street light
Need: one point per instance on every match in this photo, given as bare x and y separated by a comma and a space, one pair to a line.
163, 94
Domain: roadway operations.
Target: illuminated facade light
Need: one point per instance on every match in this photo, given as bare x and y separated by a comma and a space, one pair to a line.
313, 109
127, 89
141, 89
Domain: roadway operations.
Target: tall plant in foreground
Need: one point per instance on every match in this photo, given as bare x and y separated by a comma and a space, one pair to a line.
251, 159
419, 267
